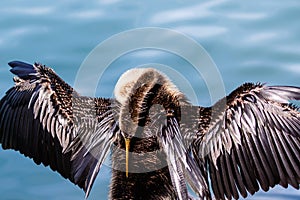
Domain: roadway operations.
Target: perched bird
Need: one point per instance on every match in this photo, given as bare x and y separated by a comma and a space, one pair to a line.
158, 142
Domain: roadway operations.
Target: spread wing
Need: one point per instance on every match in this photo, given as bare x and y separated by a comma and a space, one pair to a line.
46, 120
254, 144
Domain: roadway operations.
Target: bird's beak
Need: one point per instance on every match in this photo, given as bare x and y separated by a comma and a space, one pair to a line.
127, 146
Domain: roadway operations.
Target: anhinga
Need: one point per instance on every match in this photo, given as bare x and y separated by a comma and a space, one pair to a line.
158, 141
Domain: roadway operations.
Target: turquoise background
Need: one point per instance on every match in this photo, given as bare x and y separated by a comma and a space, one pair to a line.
248, 40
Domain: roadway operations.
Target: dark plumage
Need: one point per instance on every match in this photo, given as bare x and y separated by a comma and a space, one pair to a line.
157, 139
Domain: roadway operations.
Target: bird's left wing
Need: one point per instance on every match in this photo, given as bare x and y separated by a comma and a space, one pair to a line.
249, 140
46, 120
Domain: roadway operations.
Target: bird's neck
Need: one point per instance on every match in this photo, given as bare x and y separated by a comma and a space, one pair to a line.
148, 176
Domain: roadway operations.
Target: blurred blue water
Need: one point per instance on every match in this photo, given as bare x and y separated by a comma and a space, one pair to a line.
248, 40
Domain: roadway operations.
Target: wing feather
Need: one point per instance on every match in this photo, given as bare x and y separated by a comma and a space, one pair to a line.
254, 144
46, 120
237, 176
180, 162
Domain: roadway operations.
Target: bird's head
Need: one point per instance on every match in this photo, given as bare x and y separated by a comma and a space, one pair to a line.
140, 90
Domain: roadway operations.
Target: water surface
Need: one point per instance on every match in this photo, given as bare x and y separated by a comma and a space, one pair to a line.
248, 40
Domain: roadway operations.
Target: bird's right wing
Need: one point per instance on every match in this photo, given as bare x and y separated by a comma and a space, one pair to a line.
43, 118
252, 143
